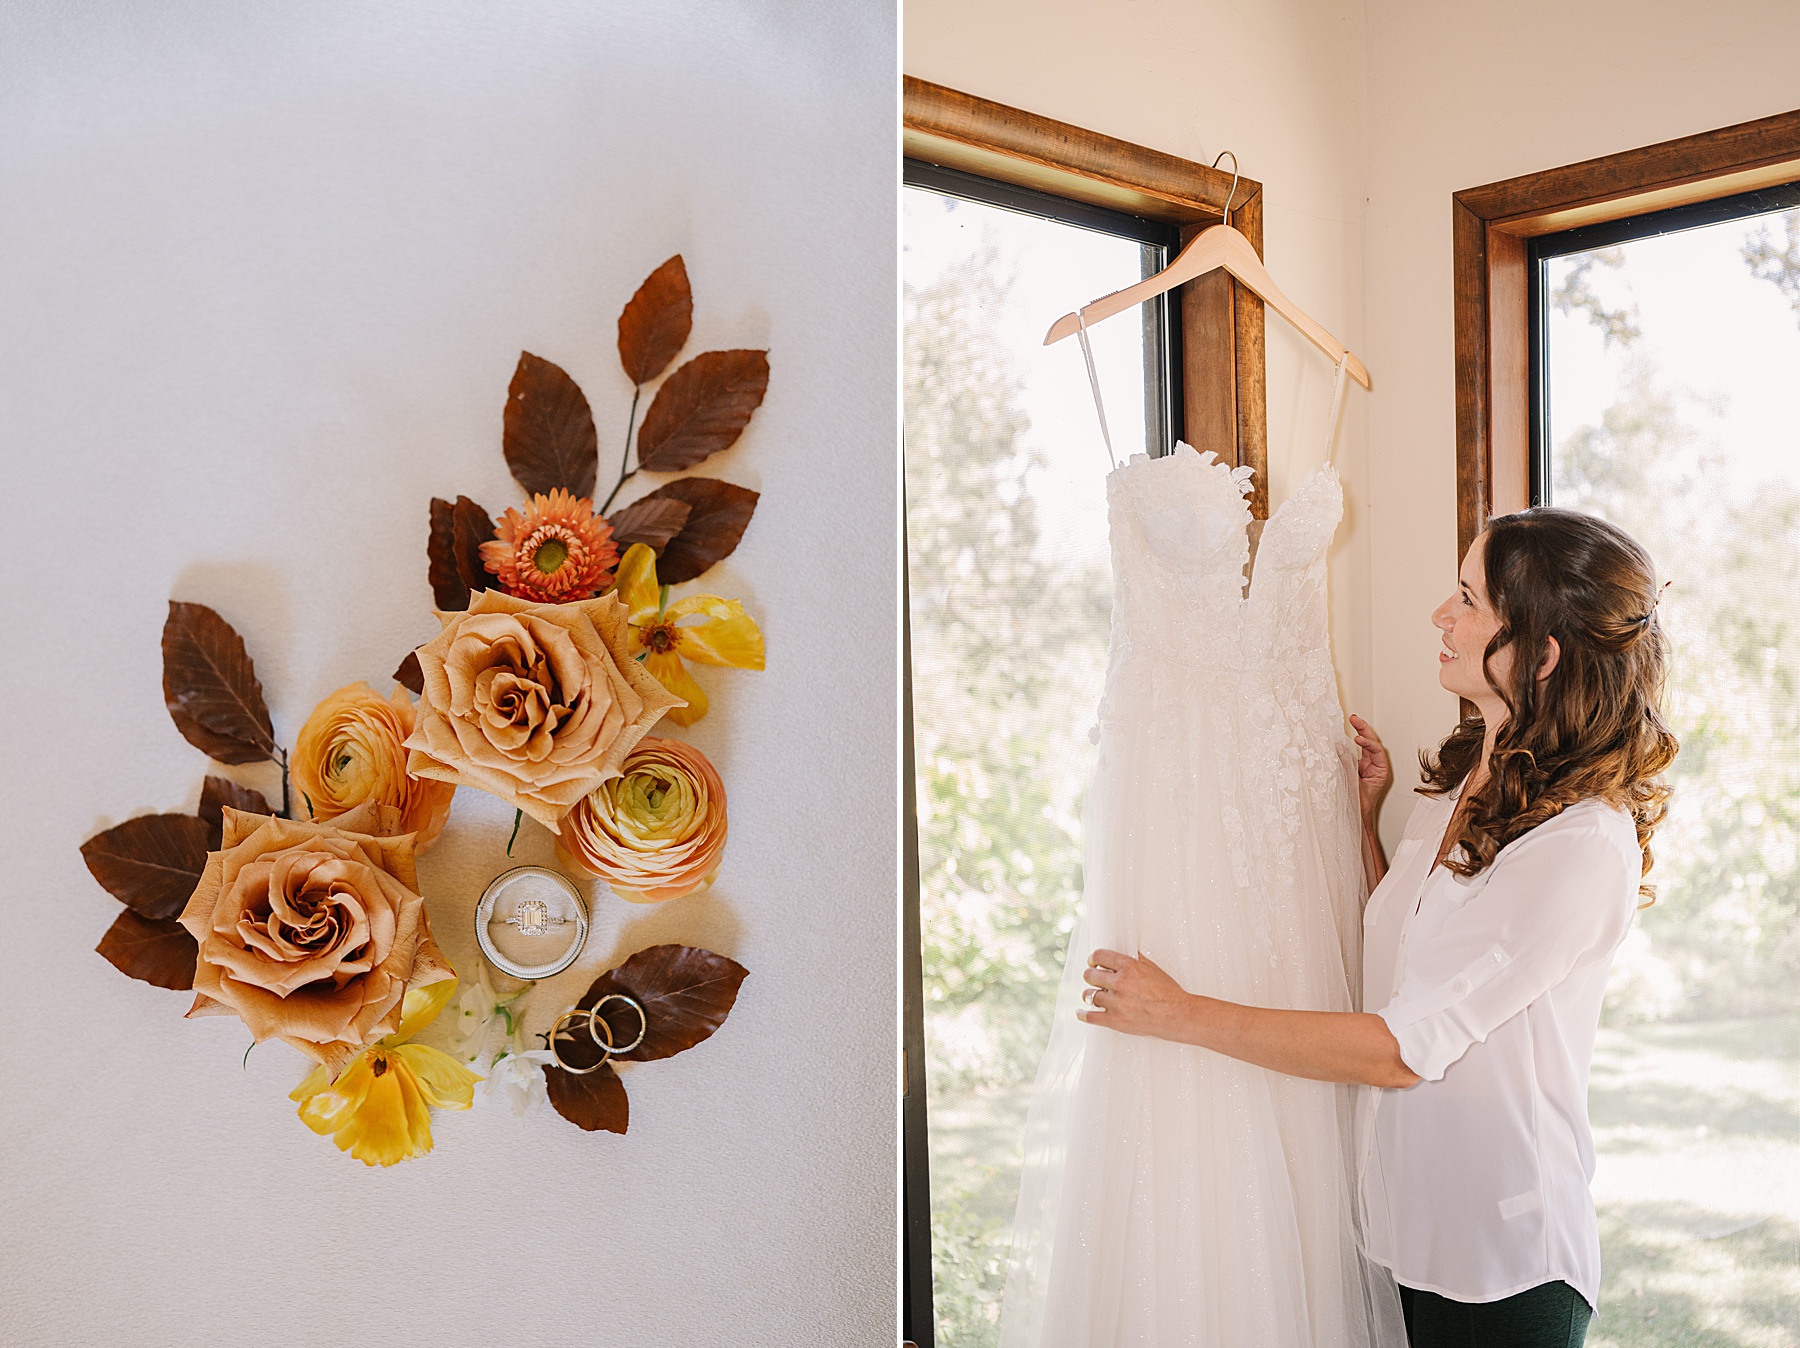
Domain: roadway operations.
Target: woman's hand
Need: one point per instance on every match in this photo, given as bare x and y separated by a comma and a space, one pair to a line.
1374, 774
1134, 996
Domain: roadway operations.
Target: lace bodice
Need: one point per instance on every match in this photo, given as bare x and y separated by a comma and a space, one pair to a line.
1260, 660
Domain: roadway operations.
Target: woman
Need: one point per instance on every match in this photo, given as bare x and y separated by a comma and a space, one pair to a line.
1487, 944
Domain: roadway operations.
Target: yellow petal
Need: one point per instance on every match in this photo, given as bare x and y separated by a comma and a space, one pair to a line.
443, 1081
635, 582
393, 1123
421, 1007
326, 1106
666, 668
728, 635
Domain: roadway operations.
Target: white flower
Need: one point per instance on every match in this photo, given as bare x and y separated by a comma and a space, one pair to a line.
487, 1022
515, 1079
490, 1037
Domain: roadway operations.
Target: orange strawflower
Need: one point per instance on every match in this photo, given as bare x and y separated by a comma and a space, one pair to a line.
558, 551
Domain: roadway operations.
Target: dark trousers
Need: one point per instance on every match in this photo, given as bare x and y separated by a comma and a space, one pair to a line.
1551, 1316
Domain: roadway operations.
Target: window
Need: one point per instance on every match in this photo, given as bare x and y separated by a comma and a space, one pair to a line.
1641, 365
1011, 221
1665, 375
1009, 593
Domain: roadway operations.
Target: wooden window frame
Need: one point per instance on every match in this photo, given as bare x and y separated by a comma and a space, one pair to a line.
1491, 229
1224, 401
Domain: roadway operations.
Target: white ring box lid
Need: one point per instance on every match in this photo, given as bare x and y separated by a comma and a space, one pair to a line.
546, 907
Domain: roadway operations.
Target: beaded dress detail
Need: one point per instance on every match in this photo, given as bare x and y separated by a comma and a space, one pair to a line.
1172, 1197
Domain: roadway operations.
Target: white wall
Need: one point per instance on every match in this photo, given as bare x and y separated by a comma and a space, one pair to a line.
264, 273
1460, 95
1278, 83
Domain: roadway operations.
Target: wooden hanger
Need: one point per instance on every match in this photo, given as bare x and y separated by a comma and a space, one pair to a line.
1219, 246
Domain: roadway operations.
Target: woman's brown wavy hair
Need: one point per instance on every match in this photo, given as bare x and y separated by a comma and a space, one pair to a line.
1594, 728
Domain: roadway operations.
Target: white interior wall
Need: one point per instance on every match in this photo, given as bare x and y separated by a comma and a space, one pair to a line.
1280, 84
1460, 95
264, 274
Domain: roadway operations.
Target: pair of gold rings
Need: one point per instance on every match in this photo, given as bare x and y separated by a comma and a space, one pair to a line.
597, 1023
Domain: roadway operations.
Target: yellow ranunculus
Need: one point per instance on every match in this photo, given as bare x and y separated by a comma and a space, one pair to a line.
378, 1108
662, 635
655, 832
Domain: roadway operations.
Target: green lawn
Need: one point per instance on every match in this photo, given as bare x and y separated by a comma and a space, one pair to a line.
1698, 1131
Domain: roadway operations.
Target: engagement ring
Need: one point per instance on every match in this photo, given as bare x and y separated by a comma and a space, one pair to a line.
536, 902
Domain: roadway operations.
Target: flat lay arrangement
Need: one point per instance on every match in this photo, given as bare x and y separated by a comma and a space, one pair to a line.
561, 648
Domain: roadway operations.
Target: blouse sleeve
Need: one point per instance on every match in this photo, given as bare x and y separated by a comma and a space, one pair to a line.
1558, 898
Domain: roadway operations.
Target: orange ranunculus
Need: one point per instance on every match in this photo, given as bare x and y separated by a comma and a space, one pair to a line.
352, 749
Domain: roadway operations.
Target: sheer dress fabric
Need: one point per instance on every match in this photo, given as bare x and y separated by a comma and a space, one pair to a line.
1172, 1197
1476, 1184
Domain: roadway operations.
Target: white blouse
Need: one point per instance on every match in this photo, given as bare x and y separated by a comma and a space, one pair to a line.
1475, 1179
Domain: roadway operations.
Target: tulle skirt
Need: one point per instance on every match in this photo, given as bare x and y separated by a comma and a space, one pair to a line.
1172, 1197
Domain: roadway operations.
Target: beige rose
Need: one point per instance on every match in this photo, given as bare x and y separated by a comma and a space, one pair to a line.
657, 831
352, 749
312, 933
535, 703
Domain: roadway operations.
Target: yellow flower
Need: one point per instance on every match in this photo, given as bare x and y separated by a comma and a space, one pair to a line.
660, 636
377, 1109
656, 832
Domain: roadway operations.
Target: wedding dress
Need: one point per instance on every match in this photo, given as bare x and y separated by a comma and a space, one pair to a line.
1172, 1197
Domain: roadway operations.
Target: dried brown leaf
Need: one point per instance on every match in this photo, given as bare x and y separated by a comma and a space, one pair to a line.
448, 591
210, 686
548, 436
702, 408
686, 994
150, 864
158, 951
652, 521
592, 1101
656, 322
471, 526
215, 795
717, 515
458, 529
409, 676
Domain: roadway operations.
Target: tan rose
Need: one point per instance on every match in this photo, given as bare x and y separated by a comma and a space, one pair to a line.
352, 750
312, 933
657, 831
536, 703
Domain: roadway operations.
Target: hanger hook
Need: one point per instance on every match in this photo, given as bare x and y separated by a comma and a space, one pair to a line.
1236, 173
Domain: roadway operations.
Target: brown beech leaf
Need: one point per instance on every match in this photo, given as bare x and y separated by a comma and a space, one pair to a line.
158, 951
686, 993
548, 437
215, 795
150, 864
447, 589
656, 322
702, 408
471, 526
649, 521
458, 529
211, 689
592, 1101
409, 676
717, 514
